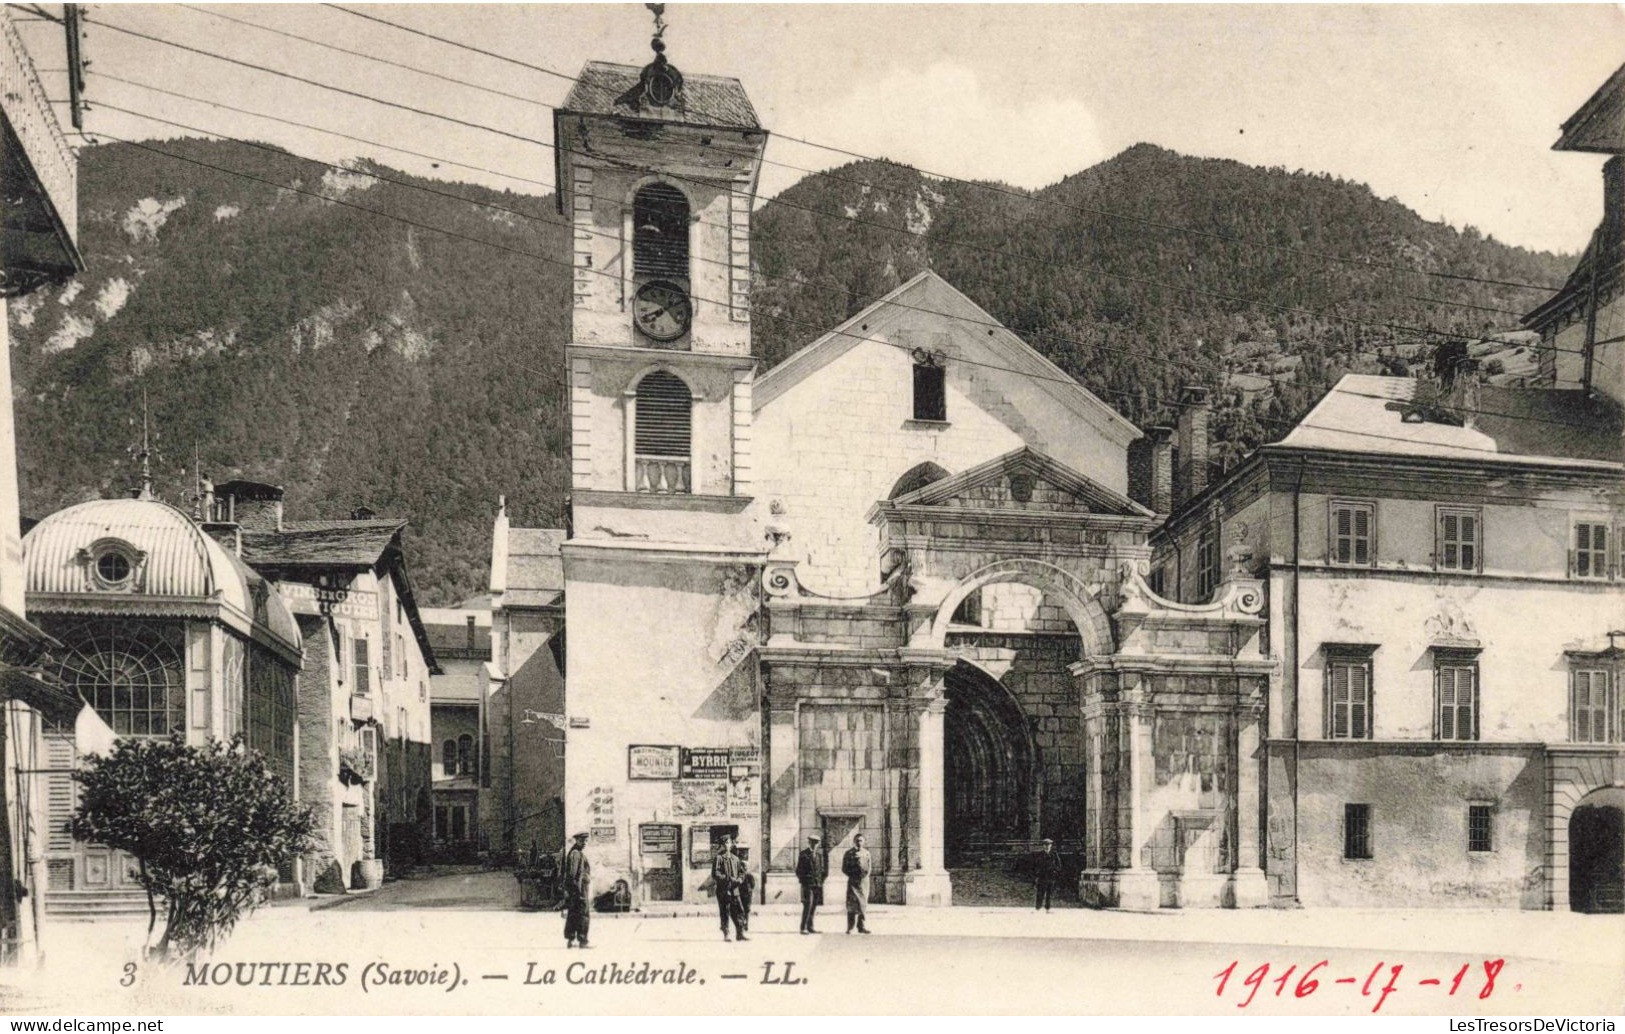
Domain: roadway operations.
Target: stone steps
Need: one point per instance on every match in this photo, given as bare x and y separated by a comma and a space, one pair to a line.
91, 905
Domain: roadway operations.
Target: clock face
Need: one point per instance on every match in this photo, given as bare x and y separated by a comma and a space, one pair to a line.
662, 310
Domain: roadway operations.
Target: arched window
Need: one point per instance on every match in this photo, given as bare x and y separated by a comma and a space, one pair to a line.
133, 676
916, 479
465, 754
448, 757
660, 232
665, 416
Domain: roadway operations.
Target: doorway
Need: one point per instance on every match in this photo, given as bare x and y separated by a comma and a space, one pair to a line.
989, 771
1597, 854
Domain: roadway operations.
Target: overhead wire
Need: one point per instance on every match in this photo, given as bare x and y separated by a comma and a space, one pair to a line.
1144, 281
1022, 195
570, 265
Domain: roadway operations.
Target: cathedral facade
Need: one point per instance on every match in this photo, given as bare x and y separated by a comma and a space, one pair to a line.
895, 587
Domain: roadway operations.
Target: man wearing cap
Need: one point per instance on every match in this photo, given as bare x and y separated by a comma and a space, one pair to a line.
811, 869
577, 878
728, 876
1046, 874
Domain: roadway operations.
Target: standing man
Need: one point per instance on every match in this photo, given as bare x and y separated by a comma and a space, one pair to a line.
857, 865
1046, 874
577, 893
811, 869
728, 876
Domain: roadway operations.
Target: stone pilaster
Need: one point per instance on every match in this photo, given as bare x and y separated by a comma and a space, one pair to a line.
783, 801
926, 882
1251, 886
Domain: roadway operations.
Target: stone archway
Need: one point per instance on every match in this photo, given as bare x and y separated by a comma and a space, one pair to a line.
1597, 852
1077, 597
991, 773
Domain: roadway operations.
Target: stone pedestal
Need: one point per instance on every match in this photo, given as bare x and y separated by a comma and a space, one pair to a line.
782, 888
1120, 888
1252, 889
931, 889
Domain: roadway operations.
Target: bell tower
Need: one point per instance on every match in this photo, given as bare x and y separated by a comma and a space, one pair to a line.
657, 174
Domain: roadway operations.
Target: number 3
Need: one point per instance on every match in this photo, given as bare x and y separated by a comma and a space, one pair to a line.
129, 975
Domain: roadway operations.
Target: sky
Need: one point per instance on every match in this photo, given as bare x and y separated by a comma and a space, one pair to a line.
1450, 109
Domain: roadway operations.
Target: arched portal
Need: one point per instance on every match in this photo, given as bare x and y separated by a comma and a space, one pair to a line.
992, 778
1597, 852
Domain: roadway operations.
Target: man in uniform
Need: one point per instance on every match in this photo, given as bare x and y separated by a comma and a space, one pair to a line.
857, 865
728, 877
577, 893
1046, 874
811, 869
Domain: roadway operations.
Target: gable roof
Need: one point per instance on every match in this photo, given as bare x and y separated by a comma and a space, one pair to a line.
1025, 460
706, 100
352, 544
928, 294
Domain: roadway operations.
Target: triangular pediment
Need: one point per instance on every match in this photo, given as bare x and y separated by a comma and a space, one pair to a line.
1023, 480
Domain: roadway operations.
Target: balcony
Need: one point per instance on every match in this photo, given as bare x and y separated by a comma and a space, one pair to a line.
41, 221
663, 475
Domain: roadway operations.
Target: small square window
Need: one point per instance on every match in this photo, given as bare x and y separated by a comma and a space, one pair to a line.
1356, 831
1480, 827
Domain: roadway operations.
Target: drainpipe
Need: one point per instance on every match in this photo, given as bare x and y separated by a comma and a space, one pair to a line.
1297, 694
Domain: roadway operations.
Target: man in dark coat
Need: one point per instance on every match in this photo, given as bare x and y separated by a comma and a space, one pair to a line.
577, 877
811, 869
856, 865
1046, 874
728, 879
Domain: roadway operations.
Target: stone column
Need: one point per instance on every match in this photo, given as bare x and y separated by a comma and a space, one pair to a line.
783, 776
927, 883
1137, 885
1251, 886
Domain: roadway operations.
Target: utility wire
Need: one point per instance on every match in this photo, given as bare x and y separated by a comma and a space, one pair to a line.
994, 188
570, 265
1241, 300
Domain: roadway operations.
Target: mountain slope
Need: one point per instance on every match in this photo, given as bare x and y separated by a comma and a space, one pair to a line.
356, 360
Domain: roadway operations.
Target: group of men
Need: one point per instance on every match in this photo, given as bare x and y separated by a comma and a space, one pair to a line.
733, 885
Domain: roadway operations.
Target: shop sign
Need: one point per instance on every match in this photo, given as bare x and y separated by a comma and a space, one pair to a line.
645, 761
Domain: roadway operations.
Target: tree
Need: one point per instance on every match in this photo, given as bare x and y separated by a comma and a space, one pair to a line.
207, 825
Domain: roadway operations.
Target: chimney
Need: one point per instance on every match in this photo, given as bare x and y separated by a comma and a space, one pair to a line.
1463, 392
1613, 205
1162, 469
472, 641
363, 513
254, 505
1194, 411
219, 523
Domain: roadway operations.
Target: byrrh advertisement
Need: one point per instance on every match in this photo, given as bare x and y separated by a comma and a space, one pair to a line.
743, 510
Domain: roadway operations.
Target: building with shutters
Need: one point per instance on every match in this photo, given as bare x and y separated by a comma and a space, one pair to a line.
460, 729
364, 753
163, 630
1447, 726
38, 248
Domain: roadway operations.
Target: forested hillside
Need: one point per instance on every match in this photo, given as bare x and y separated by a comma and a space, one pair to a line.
284, 334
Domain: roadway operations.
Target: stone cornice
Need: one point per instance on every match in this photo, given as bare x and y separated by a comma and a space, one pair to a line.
1177, 664
663, 501
659, 552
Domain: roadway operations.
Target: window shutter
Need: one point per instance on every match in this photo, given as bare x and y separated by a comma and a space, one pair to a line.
664, 417
1359, 697
1340, 700
1362, 536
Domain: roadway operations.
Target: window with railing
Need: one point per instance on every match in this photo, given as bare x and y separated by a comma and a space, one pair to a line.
663, 435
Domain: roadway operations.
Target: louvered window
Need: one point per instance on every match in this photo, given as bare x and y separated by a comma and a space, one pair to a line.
663, 435
1458, 546
1348, 695
930, 390
1589, 558
363, 666
1455, 682
1589, 712
1353, 528
660, 232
